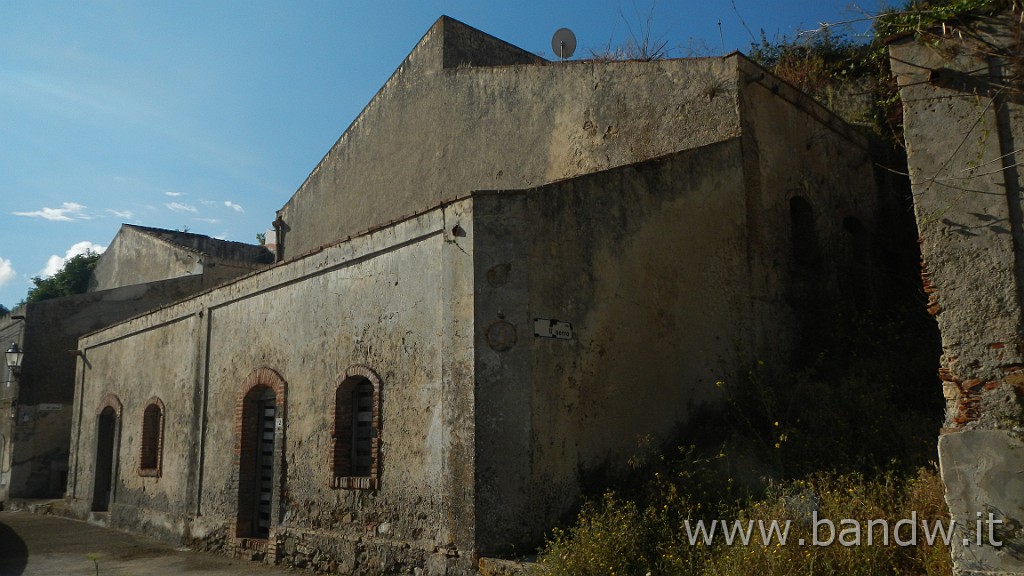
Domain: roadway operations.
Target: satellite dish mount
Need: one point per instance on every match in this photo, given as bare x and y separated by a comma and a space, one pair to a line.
563, 43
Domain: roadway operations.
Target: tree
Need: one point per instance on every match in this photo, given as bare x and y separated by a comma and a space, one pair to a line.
4, 311
72, 278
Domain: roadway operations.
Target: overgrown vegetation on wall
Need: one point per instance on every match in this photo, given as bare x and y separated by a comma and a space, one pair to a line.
826, 62
848, 433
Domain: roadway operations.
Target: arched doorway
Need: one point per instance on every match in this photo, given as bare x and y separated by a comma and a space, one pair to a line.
257, 462
106, 461
3, 462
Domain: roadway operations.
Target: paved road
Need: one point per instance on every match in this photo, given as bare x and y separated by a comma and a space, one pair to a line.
40, 545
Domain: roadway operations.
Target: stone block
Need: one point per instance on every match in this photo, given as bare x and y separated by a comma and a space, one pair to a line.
983, 471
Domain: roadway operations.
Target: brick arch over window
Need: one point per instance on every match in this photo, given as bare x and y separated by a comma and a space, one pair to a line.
263, 377
151, 446
113, 402
355, 454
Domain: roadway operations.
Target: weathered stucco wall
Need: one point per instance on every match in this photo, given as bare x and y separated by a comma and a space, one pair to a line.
435, 132
379, 301
163, 361
648, 264
803, 260
135, 258
40, 433
964, 127
671, 271
647, 203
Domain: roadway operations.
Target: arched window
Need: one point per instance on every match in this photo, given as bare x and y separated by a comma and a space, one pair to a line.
803, 235
355, 458
152, 443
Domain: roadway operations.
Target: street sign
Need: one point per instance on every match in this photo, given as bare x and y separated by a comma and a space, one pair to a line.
550, 328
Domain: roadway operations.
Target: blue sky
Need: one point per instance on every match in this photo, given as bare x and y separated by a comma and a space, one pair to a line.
209, 115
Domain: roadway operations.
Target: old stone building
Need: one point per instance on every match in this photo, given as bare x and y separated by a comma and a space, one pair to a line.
142, 269
962, 89
503, 273
139, 255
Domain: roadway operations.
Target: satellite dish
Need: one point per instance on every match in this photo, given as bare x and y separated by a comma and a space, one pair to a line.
563, 43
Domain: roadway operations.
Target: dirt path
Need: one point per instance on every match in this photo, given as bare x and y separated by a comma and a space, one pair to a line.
40, 545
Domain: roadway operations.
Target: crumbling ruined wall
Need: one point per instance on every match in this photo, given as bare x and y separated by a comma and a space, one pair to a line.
964, 128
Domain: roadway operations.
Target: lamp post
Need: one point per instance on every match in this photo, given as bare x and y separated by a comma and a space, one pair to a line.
14, 357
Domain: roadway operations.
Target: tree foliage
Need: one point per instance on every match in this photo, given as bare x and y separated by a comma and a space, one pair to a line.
72, 278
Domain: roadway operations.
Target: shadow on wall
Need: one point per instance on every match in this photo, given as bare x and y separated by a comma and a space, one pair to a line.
13, 552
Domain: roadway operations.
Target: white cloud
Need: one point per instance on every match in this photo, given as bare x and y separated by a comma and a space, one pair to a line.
66, 213
7, 272
208, 202
126, 214
233, 206
173, 194
55, 263
209, 220
179, 207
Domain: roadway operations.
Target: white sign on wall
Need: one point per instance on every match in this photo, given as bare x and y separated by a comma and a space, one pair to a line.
550, 328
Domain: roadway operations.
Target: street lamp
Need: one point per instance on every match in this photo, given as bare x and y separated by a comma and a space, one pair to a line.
14, 358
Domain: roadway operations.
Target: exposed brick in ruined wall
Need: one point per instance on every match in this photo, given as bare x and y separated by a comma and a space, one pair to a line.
966, 395
929, 288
